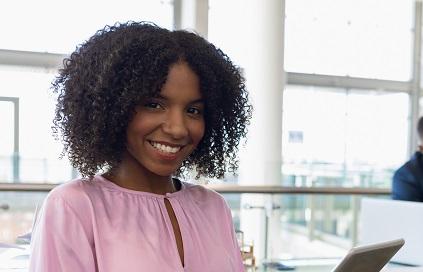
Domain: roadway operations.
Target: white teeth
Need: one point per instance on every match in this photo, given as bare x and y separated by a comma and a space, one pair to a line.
165, 148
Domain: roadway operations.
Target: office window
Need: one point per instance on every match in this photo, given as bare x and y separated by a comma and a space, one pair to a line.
229, 37
38, 151
58, 26
365, 38
6, 143
17, 215
339, 137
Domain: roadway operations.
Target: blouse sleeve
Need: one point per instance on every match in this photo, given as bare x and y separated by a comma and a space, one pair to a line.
60, 242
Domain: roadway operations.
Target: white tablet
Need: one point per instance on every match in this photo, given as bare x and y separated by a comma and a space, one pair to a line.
369, 258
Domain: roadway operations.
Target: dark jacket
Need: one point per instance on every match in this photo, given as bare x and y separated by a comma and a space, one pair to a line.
408, 180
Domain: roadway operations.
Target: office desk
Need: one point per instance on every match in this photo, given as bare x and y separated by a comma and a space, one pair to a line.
329, 268
326, 265
16, 260
404, 269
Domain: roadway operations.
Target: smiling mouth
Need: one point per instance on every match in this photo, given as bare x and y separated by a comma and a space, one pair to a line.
165, 148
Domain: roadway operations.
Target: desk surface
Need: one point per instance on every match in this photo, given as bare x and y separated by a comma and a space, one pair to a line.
326, 265
16, 260
329, 268
404, 269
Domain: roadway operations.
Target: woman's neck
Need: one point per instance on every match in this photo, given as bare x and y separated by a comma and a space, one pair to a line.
131, 175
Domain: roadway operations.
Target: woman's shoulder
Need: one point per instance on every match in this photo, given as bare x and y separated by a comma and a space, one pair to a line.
201, 193
74, 193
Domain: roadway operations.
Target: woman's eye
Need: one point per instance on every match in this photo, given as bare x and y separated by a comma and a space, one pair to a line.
152, 105
194, 111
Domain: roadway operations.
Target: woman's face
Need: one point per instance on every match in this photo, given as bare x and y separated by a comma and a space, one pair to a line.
166, 129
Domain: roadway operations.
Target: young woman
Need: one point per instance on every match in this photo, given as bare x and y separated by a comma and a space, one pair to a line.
139, 106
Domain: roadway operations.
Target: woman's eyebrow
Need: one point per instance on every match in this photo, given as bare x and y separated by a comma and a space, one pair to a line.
198, 101
159, 96
163, 97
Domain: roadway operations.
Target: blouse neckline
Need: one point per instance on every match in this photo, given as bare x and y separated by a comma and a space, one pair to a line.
111, 185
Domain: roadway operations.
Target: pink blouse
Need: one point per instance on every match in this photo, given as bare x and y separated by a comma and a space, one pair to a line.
88, 226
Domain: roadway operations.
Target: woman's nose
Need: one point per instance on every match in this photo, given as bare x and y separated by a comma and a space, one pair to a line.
175, 125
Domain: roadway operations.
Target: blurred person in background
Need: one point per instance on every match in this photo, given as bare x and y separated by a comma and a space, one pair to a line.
408, 179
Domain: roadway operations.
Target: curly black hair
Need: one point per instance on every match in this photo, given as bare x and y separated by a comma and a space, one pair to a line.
107, 76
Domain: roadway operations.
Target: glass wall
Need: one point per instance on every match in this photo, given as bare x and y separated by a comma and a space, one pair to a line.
38, 151
351, 136
335, 135
311, 225
346, 122
343, 137
17, 214
58, 26
364, 38
7, 142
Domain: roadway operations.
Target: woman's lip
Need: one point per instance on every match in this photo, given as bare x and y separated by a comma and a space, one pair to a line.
166, 156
